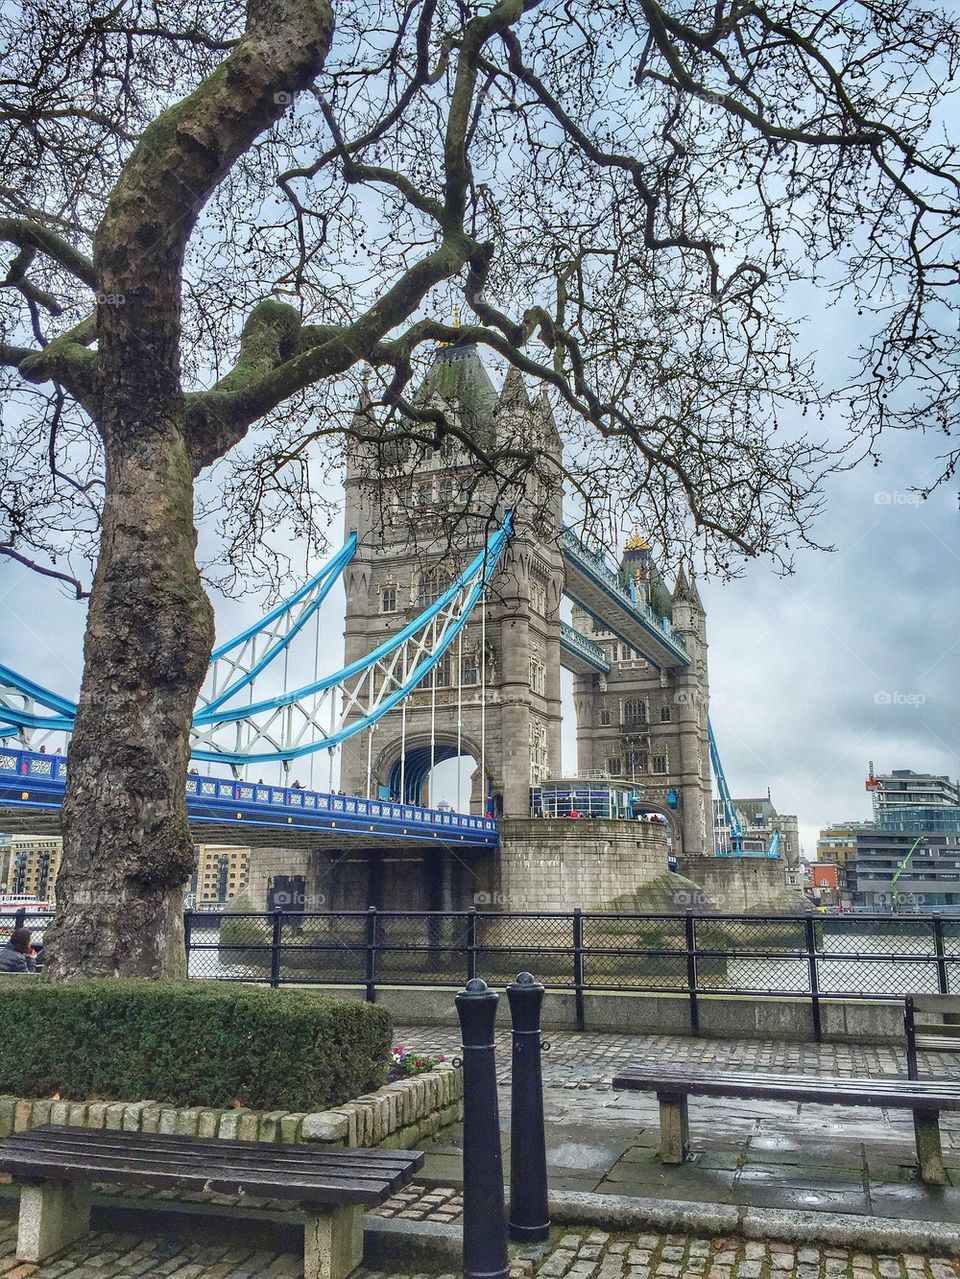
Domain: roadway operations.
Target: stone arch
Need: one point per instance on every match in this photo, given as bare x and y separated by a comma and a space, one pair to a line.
418, 753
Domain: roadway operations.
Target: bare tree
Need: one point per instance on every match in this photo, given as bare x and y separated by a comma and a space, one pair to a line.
215, 214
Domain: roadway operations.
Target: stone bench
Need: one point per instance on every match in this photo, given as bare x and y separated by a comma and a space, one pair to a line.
56, 1167
672, 1087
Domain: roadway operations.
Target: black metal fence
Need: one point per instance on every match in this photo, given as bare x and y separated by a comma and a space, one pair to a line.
693, 955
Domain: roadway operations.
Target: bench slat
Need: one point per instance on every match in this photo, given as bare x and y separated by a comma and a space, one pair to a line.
227, 1181
299, 1174
55, 1152
937, 1043
896, 1093
264, 1154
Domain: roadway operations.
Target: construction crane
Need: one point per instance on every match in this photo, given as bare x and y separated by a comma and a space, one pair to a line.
730, 814
901, 868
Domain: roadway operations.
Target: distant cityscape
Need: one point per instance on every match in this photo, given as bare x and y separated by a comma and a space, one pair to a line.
907, 857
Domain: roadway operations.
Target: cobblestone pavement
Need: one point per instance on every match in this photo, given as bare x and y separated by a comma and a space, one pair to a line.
570, 1254
423, 1203
590, 1059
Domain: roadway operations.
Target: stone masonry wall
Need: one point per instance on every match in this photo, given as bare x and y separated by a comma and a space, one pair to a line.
399, 1116
738, 884
555, 865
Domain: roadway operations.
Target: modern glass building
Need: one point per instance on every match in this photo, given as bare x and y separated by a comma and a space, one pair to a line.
890, 869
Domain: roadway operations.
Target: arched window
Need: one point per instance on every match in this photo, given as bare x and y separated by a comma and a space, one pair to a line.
634, 713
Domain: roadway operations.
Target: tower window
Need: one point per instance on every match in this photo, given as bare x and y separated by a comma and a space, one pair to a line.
605, 717
447, 490
469, 671
664, 714
388, 599
634, 713
659, 763
538, 598
614, 766
432, 585
538, 677
637, 762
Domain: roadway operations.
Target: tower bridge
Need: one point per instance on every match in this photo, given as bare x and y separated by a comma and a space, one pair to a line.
450, 653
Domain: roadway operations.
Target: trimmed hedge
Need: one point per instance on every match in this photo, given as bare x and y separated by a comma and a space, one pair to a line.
189, 1044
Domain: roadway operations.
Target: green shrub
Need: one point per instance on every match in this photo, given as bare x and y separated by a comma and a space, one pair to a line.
189, 1043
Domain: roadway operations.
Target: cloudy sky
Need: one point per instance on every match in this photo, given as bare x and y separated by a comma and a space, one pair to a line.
855, 657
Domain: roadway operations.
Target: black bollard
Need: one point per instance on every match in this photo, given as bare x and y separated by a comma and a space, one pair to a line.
529, 1215
484, 1219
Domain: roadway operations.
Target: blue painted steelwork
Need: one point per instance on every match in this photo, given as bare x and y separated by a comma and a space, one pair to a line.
321, 583
731, 817
452, 610
32, 780
578, 645
633, 622
360, 693
12, 719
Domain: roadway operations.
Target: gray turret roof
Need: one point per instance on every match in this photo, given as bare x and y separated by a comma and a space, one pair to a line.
458, 377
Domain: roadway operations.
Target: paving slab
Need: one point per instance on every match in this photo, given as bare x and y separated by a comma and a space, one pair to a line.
824, 1159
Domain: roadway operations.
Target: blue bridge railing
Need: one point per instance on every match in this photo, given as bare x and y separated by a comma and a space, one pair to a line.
36, 779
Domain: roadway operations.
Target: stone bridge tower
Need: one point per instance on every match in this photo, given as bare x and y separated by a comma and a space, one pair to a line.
647, 725
421, 515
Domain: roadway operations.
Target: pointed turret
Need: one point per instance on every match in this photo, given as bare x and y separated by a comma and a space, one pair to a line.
548, 423
685, 591
458, 377
514, 392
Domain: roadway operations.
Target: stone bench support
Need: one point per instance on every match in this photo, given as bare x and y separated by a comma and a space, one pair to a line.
52, 1215
674, 1128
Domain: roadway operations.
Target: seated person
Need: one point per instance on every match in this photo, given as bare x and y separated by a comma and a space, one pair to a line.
18, 956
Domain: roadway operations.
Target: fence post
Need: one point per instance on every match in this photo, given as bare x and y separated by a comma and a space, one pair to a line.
275, 948
187, 922
943, 984
472, 943
371, 975
809, 928
691, 940
529, 1215
484, 1219
578, 970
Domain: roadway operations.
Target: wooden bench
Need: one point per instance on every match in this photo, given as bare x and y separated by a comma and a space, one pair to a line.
925, 1098
56, 1167
938, 1036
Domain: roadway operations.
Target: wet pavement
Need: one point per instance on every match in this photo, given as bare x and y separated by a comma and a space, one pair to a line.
762, 1154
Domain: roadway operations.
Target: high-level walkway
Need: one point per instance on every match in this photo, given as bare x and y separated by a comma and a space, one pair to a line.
595, 587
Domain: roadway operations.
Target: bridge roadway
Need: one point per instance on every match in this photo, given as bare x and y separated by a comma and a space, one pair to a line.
593, 585
235, 812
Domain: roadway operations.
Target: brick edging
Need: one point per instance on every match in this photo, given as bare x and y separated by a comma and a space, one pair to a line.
397, 1115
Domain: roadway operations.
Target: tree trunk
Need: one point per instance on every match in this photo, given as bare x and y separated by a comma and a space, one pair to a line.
127, 847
